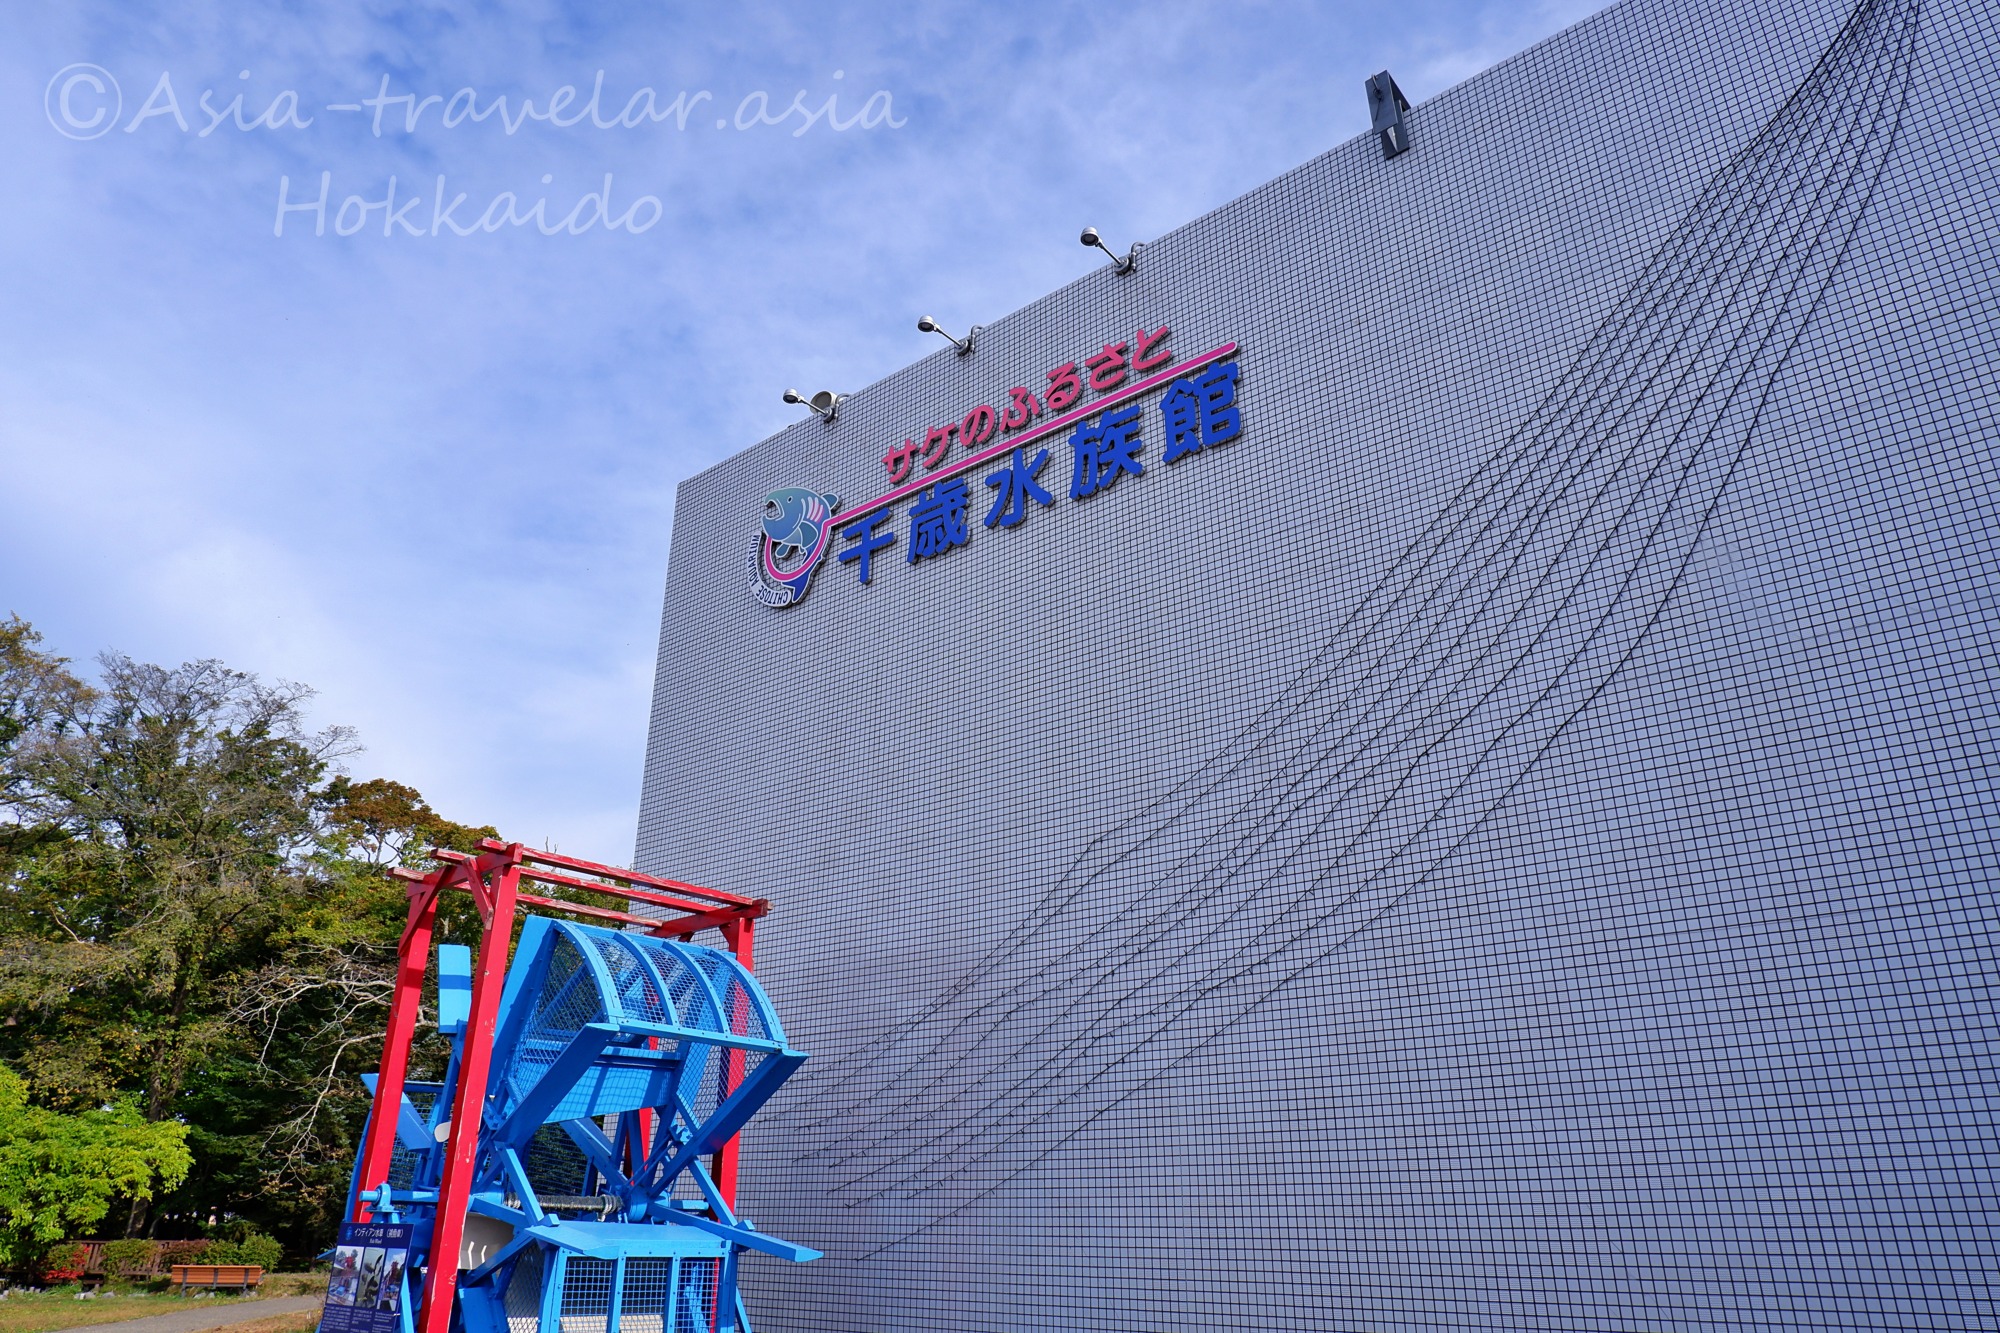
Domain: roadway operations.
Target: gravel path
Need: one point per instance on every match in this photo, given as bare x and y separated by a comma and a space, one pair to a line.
213, 1316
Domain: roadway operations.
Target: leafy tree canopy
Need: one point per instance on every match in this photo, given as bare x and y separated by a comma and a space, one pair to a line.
195, 925
60, 1173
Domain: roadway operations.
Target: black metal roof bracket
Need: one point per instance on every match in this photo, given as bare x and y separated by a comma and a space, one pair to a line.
1386, 105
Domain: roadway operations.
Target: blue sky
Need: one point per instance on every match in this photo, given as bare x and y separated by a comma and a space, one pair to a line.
433, 475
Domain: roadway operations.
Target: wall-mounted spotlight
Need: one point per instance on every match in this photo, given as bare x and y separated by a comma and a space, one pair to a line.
825, 402
1125, 265
964, 346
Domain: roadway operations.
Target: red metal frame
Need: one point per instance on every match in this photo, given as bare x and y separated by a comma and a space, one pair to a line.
494, 877
412, 958
740, 936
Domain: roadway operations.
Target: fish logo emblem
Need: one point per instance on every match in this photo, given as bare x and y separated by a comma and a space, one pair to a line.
797, 527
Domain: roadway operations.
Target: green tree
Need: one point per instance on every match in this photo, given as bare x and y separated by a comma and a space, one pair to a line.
282, 1124
59, 1174
178, 812
380, 823
185, 800
194, 917
39, 699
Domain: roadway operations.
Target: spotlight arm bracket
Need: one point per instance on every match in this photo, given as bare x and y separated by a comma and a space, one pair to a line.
812, 404
962, 345
1122, 264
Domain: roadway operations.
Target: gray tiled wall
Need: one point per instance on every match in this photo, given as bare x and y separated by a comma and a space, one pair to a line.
1506, 843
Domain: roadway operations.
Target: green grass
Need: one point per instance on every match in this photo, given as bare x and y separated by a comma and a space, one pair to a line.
39, 1312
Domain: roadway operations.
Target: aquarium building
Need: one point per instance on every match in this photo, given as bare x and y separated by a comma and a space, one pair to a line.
1423, 759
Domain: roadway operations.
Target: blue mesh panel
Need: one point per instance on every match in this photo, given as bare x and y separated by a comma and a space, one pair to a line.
586, 1295
570, 998
524, 1292
694, 1296
646, 1296
403, 1161
631, 981
745, 1012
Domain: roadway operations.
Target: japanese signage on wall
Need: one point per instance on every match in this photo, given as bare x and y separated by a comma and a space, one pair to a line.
1104, 415
364, 1294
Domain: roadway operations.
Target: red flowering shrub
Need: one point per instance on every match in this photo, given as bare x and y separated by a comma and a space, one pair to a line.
60, 1264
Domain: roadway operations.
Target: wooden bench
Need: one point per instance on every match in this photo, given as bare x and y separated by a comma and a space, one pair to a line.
244, 1277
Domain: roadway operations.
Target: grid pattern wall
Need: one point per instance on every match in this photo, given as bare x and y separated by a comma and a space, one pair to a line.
1508, 842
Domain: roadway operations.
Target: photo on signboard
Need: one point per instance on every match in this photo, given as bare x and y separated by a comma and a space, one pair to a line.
371, 1276
391, 1295
346, 1276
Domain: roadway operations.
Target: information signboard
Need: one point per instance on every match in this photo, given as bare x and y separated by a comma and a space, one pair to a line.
365, 1293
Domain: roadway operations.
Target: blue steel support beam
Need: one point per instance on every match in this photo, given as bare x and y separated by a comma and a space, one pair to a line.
575, 1060
586, 1135
748, 1238
731, 1116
